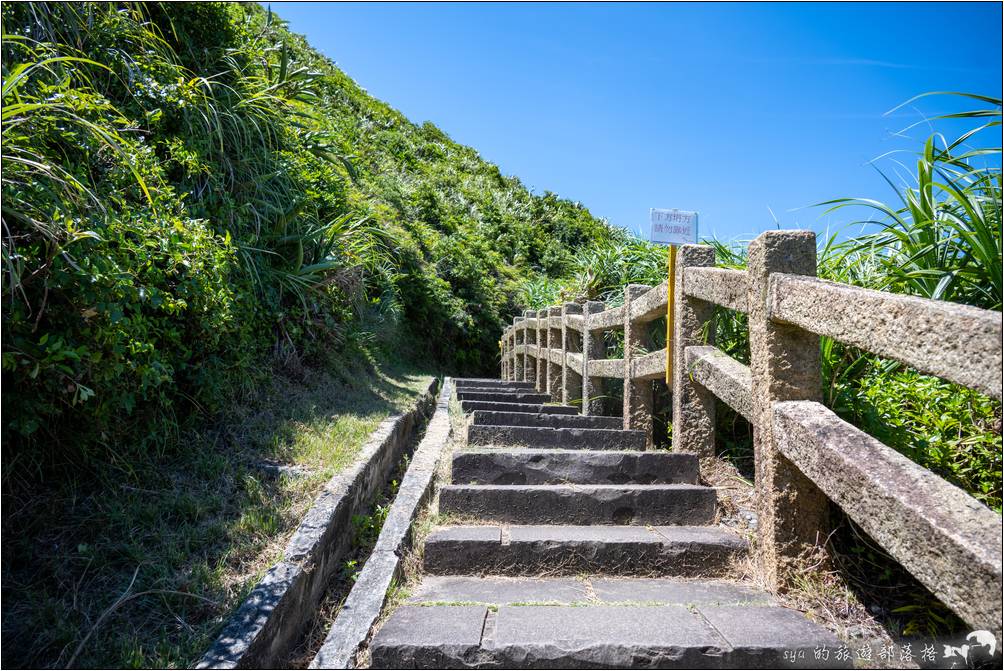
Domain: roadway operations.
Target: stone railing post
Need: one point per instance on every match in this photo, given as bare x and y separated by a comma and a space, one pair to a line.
517, 358
784, 363
511, 359
571, 382
637, 393
530, 338
503, 353
554, 344
506, 354
693, 405
593, 348
542, 350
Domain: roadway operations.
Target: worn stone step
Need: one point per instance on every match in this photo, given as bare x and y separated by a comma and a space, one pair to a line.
601, 636
498, 590
500, 389
544, 467
529, 408
465, 382
580, 504
499, 418
503, 396
555, 438
666, 551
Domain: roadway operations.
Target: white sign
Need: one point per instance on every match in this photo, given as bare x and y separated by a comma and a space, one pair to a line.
673, 227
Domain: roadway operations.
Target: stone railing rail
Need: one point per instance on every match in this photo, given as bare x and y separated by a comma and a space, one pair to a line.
805, 456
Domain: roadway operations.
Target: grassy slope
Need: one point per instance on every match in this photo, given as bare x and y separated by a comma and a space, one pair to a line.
482, 235
194, 529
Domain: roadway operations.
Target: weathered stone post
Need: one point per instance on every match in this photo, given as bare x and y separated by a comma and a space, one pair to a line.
784, 362
518, 341
554, 344
592, 349
637, 393
503, 353
542, 350
571, 382
530, 338
510, 352
693, 405
511, 359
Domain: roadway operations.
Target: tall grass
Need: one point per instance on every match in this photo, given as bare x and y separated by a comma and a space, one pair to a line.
943, 239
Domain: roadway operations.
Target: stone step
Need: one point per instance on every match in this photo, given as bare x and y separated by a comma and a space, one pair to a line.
582, 590
465, 382
545, 467
503, 396
529, 408
601, 636
580, 504
499, 418
665, 551
564, 438
500, 390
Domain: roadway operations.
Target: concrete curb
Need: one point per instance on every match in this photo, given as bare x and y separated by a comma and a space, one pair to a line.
363, 605
272, 619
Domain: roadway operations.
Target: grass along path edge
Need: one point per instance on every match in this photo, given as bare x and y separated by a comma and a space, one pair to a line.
140, 563
274, 617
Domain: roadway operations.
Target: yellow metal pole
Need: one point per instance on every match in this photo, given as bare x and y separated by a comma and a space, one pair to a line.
670, 298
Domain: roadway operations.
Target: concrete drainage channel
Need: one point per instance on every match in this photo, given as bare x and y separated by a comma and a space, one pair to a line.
361, 609
274, 620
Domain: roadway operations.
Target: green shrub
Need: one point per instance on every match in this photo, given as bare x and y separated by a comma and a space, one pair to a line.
190, 189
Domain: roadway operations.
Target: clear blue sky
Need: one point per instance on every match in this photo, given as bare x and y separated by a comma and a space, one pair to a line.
724, 109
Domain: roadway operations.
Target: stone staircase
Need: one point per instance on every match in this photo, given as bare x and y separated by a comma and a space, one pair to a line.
570, 547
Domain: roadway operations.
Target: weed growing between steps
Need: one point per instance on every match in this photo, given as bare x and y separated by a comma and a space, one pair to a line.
736, 504
140, 563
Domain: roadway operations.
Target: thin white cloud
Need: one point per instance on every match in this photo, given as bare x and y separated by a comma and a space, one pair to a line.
866, 62
861, 62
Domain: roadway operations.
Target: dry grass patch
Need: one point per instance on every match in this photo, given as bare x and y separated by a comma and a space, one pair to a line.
819, 590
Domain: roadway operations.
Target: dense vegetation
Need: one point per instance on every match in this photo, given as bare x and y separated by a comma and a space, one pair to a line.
190, 189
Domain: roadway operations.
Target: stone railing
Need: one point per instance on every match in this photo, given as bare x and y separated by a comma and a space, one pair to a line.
805, 456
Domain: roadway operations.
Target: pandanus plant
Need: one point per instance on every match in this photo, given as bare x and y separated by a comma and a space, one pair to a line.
943, 239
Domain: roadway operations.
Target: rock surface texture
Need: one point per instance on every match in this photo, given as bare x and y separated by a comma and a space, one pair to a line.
568, 545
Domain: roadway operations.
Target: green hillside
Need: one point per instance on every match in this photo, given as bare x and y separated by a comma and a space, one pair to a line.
193, 190
218, 251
